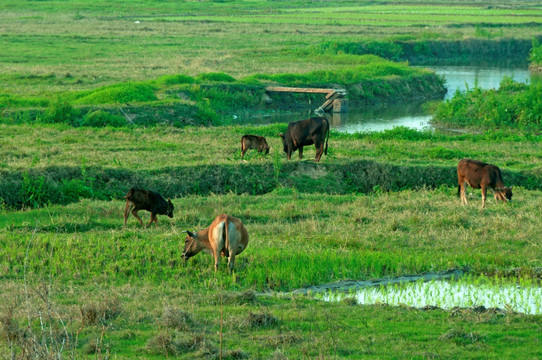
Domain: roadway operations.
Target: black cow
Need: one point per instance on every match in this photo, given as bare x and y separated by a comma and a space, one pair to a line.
306, 132
480, 175
137, 199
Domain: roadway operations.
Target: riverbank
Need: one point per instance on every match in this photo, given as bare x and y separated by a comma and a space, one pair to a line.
181, 100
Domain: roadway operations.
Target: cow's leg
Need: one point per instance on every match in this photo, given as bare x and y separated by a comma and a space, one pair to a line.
243, 152
127, 211
463, 193
134, 212
500, 196
300, 152
319, 150
484, 196
216, 255
153, 218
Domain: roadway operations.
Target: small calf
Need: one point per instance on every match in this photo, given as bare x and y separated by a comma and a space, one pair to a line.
480, 175
137, 199
226, 236
253, 142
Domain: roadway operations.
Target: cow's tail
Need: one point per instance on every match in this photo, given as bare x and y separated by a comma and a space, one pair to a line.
129, 193
227, 238
325, 151
459, 190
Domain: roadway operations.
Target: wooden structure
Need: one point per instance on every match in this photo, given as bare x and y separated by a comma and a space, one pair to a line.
335, 98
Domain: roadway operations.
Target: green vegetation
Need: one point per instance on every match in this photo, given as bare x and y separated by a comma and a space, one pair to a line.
66, 46
66, 161
180, 100
514, 105
535, 55
99, 97
126, 290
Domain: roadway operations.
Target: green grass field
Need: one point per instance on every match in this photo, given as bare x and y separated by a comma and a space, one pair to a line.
61, 45
75, 283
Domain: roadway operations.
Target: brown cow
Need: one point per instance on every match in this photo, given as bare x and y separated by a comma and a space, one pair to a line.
137, 199
253, 142
226, 236
481, 175
306, 132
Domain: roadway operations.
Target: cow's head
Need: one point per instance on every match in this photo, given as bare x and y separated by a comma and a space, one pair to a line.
170, 207
507, 192
284, 145
191, 245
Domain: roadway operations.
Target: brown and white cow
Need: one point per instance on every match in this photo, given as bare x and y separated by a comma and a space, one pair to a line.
306, 132
253, 142
226, 236
137, 199
480, 175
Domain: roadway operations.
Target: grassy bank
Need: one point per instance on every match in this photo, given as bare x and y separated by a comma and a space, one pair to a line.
61, 164
181, 100
472, 51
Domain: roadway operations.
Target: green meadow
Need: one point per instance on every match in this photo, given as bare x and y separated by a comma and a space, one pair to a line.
98, 97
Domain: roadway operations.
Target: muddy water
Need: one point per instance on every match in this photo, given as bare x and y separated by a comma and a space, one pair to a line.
378, 118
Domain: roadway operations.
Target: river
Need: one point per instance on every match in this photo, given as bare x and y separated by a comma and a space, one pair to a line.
412, 115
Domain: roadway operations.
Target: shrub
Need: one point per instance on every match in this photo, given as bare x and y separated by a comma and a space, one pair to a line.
118, 93
34, 191
100, 118
218, 77
512, 105
169, 80
535, 54
59, 111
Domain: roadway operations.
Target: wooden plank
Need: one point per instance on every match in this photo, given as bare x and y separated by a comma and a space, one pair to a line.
298, 90
330, 94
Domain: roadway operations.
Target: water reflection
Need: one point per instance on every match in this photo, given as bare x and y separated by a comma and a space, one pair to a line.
378, 118
461, 78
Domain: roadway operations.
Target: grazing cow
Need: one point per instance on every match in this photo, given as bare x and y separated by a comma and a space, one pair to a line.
253, 142
306, 132
226, 236
481, 175
146, 200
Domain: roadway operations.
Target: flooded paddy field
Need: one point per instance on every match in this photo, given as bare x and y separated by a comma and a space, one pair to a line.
523, 297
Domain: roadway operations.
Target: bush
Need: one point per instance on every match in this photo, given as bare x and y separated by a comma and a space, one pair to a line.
100, 118
218, 77
513, 105
118, 93
535, 54
60, 111
169, 80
